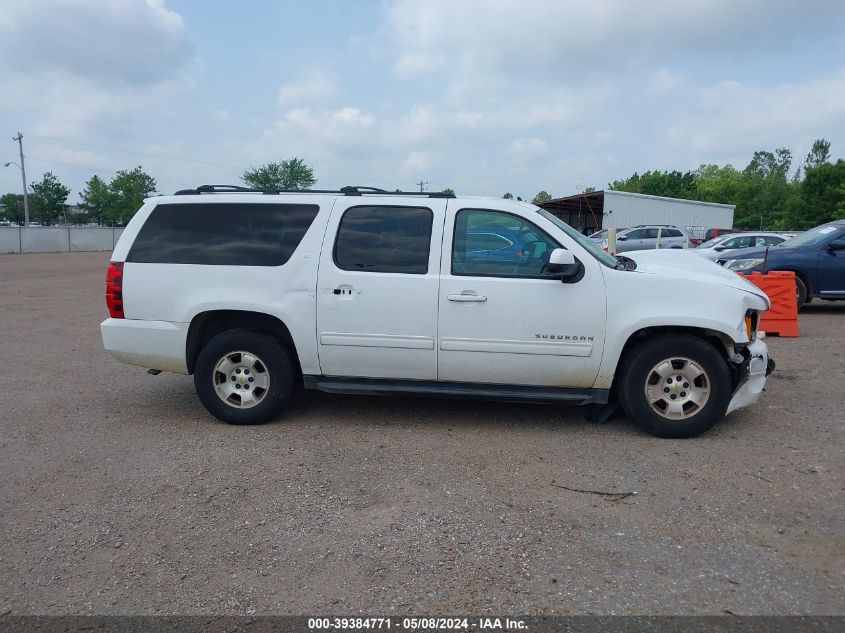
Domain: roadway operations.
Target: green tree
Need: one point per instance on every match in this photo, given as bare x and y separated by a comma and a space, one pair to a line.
672, 184
508, 196
819, 154
97, 200
12, 208
543, 196
762, 199
288, 174
127, 192
49, 198
448, 191
819, 198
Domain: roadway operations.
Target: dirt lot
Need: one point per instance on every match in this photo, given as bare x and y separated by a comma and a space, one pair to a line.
121, 495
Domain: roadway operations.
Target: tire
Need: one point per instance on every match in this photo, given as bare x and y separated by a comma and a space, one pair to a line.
800, 292
693, 404
243, 377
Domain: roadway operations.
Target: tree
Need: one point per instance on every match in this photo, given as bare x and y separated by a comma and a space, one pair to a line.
589, 190
97, 200
819, 154
672, 184
127, 191
819, 198
543, 196
288, 174
12, 208
49, 198
448, 191
508, 196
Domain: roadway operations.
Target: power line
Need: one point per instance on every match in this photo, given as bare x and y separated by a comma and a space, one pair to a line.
126, 151
422, 184
102, 170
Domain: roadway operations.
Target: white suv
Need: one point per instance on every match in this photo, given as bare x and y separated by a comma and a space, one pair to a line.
371, 292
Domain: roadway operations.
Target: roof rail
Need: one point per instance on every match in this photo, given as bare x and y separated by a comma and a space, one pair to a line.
346, 191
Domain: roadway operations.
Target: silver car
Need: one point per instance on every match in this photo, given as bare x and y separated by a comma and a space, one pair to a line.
643, 237
712, 249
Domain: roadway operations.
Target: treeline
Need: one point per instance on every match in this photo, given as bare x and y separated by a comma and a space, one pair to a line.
111, 203
114, 202
767, 193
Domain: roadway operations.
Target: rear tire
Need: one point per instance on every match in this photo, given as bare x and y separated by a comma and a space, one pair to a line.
244, 377
675, 386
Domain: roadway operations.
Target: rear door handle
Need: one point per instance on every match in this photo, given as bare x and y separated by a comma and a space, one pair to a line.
467, 298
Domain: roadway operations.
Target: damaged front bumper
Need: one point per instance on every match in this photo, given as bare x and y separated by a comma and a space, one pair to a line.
751, 373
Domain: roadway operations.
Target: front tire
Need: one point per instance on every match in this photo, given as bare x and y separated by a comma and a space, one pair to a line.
800, 292
675, 386
244, 377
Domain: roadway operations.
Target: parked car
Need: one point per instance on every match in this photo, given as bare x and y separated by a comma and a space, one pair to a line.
377, 293
817, 257
711, 233
644, 237
713, 249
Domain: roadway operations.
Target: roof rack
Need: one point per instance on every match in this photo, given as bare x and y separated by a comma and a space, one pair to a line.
346, 191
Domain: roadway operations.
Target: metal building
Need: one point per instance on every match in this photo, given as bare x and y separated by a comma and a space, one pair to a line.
589, 212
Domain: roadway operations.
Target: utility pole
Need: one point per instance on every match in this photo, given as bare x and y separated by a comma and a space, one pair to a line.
19, 139
422, 184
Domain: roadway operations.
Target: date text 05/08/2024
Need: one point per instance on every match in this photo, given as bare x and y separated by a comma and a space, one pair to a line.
416, 623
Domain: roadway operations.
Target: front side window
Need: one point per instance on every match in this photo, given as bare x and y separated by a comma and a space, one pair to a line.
384, 239
636, 234
222, 234
521, 248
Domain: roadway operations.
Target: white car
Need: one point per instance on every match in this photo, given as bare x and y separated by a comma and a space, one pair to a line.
713, 249
370, 292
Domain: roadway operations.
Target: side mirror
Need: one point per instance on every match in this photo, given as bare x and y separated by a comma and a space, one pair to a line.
719, 249
563, 262
836, 245
621, 238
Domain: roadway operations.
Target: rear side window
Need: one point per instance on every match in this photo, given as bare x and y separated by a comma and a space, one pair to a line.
384, 239
672, 233
222, 234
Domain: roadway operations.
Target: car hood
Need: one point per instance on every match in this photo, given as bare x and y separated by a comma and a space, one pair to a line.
759, 253
689, 266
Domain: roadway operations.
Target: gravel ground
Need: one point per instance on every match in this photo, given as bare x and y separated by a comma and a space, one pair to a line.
121, 495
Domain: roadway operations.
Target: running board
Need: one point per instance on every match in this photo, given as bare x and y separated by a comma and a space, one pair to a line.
505, 393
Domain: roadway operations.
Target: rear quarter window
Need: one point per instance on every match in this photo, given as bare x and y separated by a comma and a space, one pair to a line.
222, 234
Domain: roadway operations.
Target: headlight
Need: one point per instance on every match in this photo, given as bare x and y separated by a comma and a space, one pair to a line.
742, 264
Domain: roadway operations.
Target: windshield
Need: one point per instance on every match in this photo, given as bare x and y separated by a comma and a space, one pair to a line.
585, 242
812, 237
714, 241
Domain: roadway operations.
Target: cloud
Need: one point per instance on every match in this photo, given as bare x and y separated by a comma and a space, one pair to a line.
130, 42
523, 149
551, 40
314, 84
731, 115
222, 115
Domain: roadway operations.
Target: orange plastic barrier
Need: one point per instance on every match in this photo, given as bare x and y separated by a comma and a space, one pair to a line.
782, 317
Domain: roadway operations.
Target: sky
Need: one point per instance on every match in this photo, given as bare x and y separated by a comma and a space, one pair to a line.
483, 96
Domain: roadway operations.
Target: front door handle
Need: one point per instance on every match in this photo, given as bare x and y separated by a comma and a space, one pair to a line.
467, 298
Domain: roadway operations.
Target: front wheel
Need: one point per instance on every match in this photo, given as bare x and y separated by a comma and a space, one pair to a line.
800, 292
244, 377
675, 386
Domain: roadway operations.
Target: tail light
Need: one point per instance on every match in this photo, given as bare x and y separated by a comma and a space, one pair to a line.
114, 290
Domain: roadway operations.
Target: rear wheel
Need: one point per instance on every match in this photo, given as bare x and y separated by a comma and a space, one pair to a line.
244, 377
675, 386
